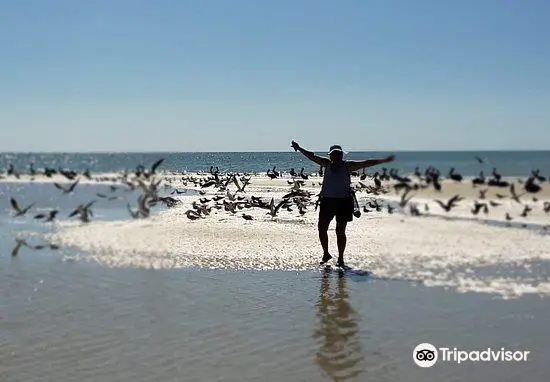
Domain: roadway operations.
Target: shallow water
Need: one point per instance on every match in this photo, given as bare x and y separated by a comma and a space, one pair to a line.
67, 321
63, 319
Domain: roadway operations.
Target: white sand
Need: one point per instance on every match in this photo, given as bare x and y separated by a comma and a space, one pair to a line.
430, 249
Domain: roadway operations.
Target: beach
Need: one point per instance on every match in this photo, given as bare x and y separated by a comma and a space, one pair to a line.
224, 298
161, 172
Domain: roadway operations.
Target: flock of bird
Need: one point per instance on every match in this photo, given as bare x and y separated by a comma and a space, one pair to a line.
298, 197
431, 178
386, 179
139, 179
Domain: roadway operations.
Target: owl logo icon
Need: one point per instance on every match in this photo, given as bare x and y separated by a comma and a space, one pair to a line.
425, 355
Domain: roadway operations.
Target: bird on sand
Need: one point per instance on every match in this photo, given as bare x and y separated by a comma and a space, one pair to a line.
526, 210
192, 215
273, 209
508, 218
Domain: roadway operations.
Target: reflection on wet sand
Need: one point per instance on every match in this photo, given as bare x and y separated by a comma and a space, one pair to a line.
340, 353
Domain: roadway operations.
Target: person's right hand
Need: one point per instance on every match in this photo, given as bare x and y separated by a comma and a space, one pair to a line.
295, 145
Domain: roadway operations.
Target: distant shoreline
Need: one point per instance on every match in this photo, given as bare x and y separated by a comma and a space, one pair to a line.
267, 152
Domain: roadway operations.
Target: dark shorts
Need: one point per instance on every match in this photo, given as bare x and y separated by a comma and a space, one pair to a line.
341, 208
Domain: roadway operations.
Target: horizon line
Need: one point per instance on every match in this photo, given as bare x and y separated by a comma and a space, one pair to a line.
258, 151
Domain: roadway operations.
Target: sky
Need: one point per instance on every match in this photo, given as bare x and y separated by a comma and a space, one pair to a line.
252, 75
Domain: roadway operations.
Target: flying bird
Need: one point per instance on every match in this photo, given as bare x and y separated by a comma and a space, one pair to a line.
18, 210
19, 243
48, 217
69, 189
451, 203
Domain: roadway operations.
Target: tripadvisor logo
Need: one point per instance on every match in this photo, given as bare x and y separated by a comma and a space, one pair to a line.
426, 355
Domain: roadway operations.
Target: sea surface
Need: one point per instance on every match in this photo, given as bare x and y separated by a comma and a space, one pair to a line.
64, 319
509, 163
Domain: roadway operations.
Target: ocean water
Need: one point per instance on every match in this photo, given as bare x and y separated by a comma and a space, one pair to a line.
66, 317
509, 163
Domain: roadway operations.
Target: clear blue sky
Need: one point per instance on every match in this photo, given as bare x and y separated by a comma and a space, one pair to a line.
251, 75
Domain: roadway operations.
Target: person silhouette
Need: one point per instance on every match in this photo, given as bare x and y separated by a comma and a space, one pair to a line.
336, 198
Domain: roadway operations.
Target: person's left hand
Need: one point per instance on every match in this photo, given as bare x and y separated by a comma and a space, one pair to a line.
390, 158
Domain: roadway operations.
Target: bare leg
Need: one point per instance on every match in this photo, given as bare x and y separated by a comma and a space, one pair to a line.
322, 226
341, 239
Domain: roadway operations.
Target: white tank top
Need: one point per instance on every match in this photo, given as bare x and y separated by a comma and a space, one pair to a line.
336, 181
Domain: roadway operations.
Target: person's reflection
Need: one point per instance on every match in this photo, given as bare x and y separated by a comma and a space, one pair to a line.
340, 352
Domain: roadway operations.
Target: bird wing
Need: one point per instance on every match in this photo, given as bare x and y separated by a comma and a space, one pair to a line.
290, 194
76, 211
404, 199
454, 199
216, 179
20, 243
477, 206
279, 205
156, 184
87, 206
236, 182
73, 185
156, 164
520, 195
404, 195
57, 185
15, 205
443, 205
28, 207
228, 180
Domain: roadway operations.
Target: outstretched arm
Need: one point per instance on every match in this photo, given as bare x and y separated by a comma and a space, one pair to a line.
321, 161
358, 165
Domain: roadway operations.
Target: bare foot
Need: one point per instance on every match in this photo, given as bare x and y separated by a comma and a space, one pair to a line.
326, 257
